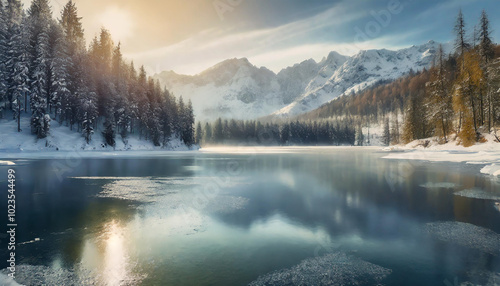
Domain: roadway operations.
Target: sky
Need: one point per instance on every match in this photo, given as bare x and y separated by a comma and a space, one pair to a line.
188, 36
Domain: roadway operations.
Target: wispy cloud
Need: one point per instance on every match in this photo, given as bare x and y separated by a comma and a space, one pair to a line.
274, 47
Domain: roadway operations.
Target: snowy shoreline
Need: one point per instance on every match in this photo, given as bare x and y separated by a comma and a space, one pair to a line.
63, 139
487, 154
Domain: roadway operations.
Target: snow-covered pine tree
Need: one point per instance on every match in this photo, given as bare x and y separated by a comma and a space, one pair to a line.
3, 56
73, 29
40, 18
89, 110
58, 73
19, 87
13, 17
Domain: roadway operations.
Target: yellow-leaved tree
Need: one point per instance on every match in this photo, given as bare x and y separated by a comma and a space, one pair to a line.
468, 86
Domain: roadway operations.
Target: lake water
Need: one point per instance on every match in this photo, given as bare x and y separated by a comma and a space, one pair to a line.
267, 216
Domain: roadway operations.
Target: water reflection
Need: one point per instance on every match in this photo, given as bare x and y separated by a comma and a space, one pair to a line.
212, 219
106, 257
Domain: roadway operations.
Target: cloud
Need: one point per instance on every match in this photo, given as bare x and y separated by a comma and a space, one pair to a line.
204, 49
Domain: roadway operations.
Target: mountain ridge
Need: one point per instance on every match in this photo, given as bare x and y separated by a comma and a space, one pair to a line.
235, 88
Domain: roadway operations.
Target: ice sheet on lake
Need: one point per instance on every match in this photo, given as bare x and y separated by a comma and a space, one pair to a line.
467, 235
481, 277
478, 194
6, 280
44, 275
331, 269
175, 193
440, 185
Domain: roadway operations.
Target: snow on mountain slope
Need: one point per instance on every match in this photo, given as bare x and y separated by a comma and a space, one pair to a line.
361, 71
237, 89
232, 89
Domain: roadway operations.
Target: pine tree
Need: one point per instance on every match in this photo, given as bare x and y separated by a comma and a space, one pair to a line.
188, 126
3, 56
386, 138
208, 134
199, 134
461, 43
19, 86
218, 133
89, 110
73, 29
486, 49
109, 133
360, 138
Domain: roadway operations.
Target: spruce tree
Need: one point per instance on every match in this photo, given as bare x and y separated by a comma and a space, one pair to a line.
386, 137
199, 134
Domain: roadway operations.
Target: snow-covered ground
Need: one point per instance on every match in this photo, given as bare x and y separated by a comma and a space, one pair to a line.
61, 138
487, 153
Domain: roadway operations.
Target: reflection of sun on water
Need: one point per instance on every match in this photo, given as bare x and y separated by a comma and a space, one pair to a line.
115, 269
108, 257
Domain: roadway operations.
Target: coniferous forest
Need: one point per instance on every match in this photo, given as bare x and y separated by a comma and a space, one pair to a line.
323, 133
49, 74
458, 97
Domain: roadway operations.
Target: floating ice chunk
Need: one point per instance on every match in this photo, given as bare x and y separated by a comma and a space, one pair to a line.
497, 206
467, 235
442, 185
331, 269
493, 169
7, 281
31, 241
44, 275
7, 163
478, 194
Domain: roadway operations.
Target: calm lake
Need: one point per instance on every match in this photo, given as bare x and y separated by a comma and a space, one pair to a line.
266, 216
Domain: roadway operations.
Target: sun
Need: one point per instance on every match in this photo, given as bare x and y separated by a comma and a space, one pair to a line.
118, 21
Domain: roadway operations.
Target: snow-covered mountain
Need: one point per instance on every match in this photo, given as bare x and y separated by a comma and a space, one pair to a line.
237, 89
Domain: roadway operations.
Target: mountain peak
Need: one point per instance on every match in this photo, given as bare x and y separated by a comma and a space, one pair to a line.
235, 88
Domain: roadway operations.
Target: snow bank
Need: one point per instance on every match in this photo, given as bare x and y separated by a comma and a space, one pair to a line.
62, 138
487, 153
493, 169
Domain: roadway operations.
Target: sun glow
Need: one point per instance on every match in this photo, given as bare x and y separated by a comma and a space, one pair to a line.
118, 21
